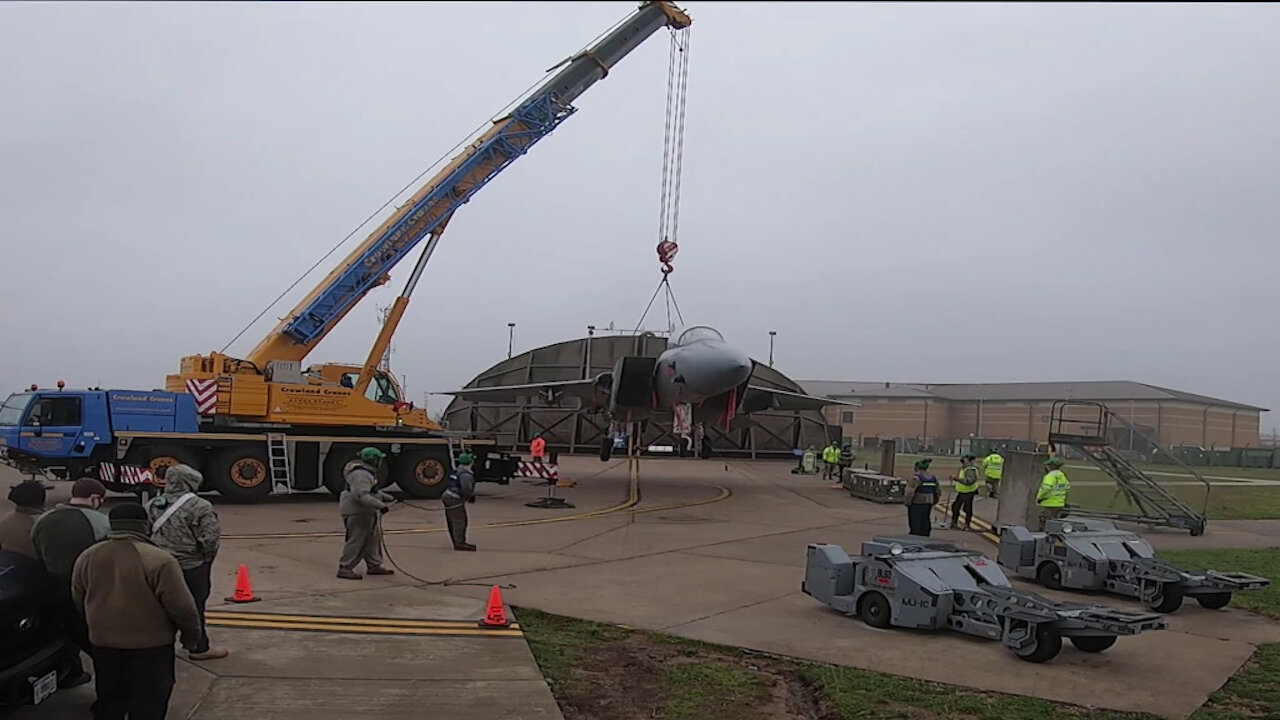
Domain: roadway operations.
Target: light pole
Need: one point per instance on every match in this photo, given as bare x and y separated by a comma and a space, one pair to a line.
772, 334
511, 335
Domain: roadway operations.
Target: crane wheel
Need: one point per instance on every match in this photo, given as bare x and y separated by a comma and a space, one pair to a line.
1214, 601
241, 474
1093, 643
422, 473
161, 457
1048, 644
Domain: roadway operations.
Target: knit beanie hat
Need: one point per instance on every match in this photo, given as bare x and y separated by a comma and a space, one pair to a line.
27, 494
130, 517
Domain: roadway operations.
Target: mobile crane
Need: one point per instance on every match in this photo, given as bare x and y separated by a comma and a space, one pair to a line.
263, 424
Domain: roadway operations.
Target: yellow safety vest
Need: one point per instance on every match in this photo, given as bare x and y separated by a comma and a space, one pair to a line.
831, 454
994, 465
1053, 490
963, 487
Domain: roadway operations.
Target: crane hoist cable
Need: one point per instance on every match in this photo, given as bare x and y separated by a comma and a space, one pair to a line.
672, 170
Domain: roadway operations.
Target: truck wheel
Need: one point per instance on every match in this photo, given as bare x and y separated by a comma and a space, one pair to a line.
874, 610
337, 458
1167, 600
1048, 644
1050, 576
421, 473
241, 474
1093, 643
1214, 601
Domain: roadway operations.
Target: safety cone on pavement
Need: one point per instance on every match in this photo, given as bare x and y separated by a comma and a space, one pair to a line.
244, 591
495, 615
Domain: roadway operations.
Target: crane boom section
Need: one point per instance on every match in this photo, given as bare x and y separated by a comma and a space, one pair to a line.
369, 264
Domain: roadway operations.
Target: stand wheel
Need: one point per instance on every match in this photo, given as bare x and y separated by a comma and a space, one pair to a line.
1215, 601
1050, 576
1047, 645
1167, 600
1093, 644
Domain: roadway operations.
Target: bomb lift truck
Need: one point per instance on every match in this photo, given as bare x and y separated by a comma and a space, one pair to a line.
1086, 553
927, 584
263, 424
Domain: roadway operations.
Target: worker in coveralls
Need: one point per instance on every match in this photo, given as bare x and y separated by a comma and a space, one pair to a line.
361, 504
1051, 499
920, 496
831, 461
461, 489
186, 525
965, 482
993, 468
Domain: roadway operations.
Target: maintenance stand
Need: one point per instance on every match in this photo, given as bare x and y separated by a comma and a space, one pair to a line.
930, 584
1085, 553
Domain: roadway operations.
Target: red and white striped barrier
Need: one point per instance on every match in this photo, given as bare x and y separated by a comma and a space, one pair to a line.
128, 474
546, 471
205, 393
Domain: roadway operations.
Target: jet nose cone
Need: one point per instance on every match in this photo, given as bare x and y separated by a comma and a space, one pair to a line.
733, 367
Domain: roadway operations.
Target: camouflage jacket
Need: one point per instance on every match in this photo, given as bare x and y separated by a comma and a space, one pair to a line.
191, 534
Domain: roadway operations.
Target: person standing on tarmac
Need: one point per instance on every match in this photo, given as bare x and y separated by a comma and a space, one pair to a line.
993, 468
460, 491
60, 537
28, 499
920, 495
831, 461
361, 504
186, 525
133, 596
965, 482
538, 448
1051, 498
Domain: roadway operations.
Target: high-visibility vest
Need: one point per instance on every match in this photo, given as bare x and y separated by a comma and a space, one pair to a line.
972, 474
994, 465
1053, 490
831, 454
537, 447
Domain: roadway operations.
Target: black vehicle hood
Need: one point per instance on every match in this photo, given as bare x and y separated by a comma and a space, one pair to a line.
21, 578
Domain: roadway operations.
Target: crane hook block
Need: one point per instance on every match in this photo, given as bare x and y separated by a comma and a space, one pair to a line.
666, 253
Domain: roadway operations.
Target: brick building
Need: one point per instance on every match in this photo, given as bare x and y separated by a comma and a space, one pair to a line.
938, 415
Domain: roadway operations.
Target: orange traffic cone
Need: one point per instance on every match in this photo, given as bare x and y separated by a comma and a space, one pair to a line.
244, 591
495, 615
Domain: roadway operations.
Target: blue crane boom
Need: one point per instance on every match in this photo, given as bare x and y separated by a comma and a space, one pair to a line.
430, 208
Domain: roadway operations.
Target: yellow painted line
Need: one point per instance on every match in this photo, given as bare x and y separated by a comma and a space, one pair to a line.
332, 620
987, 530
365, 629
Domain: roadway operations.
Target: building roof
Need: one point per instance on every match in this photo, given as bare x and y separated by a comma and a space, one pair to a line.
1105, 390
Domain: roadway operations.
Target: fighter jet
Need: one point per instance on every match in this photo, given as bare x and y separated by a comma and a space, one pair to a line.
699, 378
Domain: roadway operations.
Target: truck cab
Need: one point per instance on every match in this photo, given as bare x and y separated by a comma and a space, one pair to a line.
55, 430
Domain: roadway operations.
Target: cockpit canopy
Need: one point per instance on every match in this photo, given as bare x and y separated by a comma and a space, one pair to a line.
698, 333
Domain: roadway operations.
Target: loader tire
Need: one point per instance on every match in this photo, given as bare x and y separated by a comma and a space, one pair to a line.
1168, 600
1093, 643
874, 610
1047, 645
422, 473
1214, 601
1050, 575
241, 474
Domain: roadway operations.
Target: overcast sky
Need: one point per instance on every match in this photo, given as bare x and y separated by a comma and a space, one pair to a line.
906, 192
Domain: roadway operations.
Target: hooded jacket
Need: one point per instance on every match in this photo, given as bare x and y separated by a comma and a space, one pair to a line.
191, 533
359, 497
132, 594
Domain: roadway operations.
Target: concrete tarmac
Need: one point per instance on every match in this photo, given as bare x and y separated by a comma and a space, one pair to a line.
708, 550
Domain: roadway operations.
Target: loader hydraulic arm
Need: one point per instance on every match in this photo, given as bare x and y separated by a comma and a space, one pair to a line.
425, 213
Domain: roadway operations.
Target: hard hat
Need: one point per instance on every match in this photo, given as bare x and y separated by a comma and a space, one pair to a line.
372, 455
1053, 462
923, 464
465, 459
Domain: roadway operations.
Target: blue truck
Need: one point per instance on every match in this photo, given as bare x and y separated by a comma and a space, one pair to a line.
125, 437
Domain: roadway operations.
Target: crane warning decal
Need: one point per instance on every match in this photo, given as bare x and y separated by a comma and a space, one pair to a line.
206, 394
